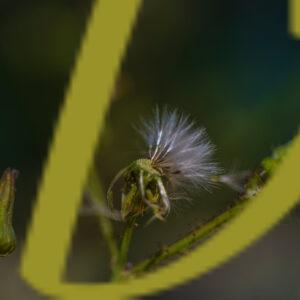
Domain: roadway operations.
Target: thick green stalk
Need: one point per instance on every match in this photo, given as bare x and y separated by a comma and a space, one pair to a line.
118, 272
126, 243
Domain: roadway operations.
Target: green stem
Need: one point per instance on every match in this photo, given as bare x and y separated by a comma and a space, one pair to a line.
125, 244
124, 249
104, 222
182, 245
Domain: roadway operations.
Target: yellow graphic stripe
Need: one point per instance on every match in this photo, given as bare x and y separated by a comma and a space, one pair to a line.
294, 18
75, 140
72, 152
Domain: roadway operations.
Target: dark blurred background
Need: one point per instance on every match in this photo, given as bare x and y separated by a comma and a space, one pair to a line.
231, 64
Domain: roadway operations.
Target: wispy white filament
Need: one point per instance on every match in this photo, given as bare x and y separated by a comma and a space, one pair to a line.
179, 149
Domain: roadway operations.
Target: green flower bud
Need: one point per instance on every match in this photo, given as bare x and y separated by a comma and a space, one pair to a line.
7, 197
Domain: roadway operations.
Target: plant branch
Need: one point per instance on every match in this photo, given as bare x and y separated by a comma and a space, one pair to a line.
182, 245
124, 249
126, 243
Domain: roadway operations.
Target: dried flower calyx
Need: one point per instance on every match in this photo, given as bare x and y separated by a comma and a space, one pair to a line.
178, 158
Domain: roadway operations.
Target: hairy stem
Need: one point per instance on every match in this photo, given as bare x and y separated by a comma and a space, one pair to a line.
182, 245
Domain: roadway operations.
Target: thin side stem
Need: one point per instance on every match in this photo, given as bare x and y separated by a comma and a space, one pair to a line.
182, 245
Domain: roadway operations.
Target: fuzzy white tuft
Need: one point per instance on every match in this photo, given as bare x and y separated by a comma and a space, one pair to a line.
182, 151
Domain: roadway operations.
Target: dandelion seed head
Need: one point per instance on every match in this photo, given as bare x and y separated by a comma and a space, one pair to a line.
179, 149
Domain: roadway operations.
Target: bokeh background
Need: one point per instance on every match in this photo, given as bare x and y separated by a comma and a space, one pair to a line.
231, 64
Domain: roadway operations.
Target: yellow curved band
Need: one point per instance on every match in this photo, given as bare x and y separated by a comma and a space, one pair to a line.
71, 154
